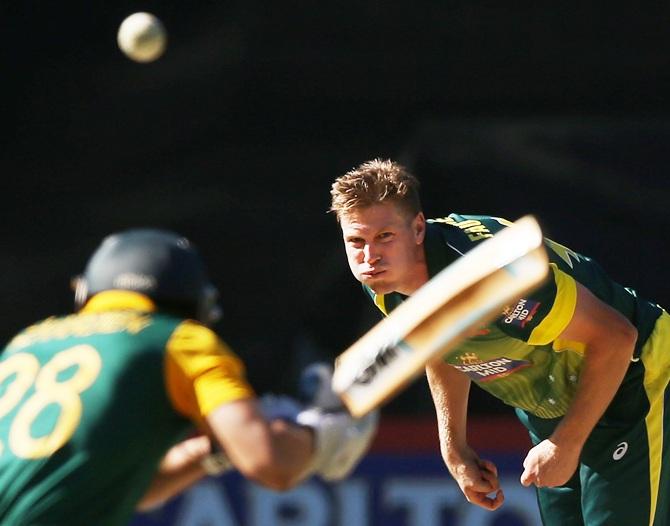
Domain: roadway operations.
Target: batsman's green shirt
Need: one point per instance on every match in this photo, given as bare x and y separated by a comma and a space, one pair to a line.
519, 358
89, 403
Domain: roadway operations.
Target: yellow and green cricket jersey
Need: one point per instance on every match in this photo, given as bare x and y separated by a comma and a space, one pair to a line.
623, 477
519, 358
89, 403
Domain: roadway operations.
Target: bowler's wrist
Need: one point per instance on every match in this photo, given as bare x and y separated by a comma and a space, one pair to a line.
568, 440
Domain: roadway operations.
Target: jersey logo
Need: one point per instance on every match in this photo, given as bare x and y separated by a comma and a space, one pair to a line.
484, 371
521, 313
620, 451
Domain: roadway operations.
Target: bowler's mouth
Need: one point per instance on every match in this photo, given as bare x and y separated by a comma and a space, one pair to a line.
373, 273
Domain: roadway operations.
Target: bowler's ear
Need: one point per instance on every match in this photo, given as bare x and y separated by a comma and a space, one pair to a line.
419, 228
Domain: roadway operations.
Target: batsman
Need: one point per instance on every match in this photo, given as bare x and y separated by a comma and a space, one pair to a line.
584, 361
91, 402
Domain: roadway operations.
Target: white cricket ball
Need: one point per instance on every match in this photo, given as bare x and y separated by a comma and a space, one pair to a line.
142, 37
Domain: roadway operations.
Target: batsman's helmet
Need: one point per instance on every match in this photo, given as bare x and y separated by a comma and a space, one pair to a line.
160, 264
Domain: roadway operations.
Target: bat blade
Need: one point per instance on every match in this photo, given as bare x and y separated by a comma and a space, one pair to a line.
465, 295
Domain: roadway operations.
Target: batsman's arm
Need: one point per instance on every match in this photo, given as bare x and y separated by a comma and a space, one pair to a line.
279, 447
263, 447
477, 478
275, 453
180, 468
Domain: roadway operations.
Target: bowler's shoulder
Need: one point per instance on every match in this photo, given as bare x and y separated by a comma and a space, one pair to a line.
463, 231
469, 223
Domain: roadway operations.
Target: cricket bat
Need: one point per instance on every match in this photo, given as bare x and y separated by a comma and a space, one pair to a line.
469, 293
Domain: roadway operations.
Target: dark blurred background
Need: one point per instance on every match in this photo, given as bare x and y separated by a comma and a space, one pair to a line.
234, 136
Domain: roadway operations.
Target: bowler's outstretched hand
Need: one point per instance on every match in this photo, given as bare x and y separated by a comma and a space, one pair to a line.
478, 480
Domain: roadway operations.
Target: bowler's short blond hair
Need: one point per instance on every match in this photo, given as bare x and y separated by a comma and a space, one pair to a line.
375, 182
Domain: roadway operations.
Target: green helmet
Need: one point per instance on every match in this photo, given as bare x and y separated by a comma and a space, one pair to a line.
160, 264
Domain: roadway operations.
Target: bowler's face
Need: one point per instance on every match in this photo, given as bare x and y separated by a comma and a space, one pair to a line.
385, 248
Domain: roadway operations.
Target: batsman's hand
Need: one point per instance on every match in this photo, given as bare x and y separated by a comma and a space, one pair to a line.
550, 465
341, 440
478, 480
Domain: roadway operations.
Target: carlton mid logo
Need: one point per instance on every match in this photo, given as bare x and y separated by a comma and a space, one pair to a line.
521, 313
483, 371
469, 358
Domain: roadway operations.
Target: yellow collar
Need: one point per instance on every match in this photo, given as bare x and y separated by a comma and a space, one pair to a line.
119, 300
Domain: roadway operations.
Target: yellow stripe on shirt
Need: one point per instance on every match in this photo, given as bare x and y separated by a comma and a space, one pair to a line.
561, 312
201, 372
656, 362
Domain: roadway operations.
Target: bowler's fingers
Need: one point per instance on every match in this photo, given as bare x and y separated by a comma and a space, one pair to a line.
488, 466
491, 480
486, 502
489, 473
528, 478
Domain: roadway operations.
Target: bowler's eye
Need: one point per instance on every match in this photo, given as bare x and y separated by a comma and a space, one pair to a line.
385, 236
356, 242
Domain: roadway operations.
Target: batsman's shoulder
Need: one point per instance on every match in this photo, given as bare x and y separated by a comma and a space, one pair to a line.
193, 336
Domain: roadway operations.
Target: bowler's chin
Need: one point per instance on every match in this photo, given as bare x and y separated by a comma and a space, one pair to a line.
378, 286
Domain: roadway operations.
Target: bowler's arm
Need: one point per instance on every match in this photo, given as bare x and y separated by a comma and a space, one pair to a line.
609, 340
476, 477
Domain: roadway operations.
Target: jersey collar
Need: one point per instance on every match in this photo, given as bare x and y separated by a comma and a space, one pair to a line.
119, 300
437, 255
